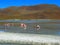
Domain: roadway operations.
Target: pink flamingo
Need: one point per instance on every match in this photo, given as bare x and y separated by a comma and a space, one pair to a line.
23, 25
12, 24
7, 25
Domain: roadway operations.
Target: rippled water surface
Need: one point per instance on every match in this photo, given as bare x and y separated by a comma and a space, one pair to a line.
46, 27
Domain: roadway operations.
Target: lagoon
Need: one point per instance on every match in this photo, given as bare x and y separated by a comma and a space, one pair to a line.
48, 26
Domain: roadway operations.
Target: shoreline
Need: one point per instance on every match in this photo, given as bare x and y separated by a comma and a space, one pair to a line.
28, 38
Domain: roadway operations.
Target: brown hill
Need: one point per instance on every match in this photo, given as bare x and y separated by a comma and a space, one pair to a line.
43, 11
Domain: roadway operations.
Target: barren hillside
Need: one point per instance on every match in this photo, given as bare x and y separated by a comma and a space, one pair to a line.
42, 11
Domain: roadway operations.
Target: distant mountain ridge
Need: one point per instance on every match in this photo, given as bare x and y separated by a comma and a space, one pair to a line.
42, 11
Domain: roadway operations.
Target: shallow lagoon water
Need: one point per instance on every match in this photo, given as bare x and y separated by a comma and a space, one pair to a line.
46, 28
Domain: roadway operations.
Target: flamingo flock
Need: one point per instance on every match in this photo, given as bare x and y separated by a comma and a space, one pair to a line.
22, 25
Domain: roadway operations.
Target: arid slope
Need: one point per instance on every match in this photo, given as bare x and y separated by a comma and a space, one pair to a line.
42, 11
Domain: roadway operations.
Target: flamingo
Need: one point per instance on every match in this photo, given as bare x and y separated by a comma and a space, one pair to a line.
12, 24
38, 27
23, 25
7, 25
